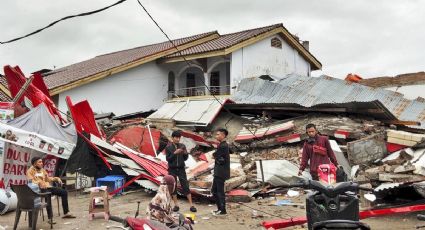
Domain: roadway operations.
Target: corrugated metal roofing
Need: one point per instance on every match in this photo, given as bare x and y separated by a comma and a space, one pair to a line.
200, 112
315, 91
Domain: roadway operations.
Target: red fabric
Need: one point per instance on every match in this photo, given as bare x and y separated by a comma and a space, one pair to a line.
16, 79
327, 173
391, 147
317, 159
83, 117
138, 138
39, 83
139, 223
320, 150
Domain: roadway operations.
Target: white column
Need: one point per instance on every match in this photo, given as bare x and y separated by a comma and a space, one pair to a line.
207, 82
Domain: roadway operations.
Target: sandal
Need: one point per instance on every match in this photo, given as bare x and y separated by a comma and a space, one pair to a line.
69, 216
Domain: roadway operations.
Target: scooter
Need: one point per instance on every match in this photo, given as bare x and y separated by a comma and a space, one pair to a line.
332, 207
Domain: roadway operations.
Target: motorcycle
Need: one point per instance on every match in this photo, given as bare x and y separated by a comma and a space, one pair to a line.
332, 207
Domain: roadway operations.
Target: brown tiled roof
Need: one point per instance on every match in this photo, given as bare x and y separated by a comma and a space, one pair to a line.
3, 95
84, 69
396, 81
225, 41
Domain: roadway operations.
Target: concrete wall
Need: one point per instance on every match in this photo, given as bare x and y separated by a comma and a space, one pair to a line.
139, 89
261, 58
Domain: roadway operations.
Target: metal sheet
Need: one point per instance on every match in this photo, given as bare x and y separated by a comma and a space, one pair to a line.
325, 90
194, 111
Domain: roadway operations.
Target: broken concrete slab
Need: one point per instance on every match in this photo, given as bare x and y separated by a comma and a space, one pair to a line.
400, 178
419, 161
401, 141
239, 195
234, 182
367, 150
341, 158
373, 173
405, 135
405, 169
279, 172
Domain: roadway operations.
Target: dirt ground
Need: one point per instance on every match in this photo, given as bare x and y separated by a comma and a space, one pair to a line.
240, 217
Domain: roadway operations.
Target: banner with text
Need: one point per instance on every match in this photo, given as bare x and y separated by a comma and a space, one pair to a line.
16, 161
36, 141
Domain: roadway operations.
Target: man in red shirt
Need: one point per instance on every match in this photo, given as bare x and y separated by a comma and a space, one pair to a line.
318, 150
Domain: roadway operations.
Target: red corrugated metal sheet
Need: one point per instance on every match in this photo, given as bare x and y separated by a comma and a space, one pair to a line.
138, 138
153, 167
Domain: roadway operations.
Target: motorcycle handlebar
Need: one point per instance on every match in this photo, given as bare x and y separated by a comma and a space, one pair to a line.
117, 219
330, 191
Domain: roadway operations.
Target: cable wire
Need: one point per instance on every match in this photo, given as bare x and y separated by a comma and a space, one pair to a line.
63, 19
189, 64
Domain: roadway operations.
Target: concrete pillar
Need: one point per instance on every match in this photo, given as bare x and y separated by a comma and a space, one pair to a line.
207, 82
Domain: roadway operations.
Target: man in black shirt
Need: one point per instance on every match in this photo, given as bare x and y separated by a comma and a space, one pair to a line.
221, 171
176, 155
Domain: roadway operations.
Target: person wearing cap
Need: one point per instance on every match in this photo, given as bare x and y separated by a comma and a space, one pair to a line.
176, 154
38, 175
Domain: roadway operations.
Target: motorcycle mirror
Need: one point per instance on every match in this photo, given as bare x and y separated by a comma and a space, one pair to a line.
370, 197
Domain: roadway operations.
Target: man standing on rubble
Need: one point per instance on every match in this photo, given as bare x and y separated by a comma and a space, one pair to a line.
221, 172
318, 150
176, 155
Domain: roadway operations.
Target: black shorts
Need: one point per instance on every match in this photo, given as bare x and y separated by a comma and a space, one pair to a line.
181, 175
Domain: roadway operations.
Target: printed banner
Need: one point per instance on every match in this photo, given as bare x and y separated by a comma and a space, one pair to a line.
50, 162
7, 112
16, 161
36, 141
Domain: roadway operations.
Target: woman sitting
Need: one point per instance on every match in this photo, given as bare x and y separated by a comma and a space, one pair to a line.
159, 208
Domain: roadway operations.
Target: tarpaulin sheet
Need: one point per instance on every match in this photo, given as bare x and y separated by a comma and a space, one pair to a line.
16, 79
83, 117
138, 138
39, 120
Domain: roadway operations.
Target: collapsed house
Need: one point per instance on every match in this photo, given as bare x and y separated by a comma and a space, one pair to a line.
376, 134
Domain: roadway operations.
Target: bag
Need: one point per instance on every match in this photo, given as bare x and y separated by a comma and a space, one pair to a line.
341, 176
320, 150
327, 173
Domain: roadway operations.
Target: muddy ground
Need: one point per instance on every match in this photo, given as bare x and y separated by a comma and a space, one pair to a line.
240, 217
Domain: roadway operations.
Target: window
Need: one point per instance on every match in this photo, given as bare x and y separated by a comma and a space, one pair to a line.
215, 83
190, 80
171, 81
276, 42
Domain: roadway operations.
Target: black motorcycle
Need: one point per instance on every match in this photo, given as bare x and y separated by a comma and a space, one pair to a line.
332, 207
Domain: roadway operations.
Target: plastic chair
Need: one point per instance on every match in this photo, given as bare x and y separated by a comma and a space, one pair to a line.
26, 198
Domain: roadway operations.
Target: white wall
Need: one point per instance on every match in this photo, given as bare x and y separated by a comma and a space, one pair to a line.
261, 58
139, 89
410, 91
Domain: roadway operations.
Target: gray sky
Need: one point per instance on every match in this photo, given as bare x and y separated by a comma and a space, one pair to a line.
370, 38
